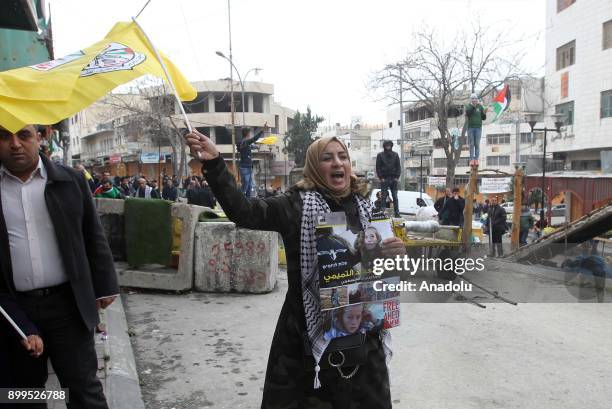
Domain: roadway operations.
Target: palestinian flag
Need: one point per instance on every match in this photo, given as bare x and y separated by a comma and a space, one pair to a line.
501, 102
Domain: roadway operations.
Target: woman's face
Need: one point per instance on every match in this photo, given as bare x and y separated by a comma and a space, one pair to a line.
351, 319
334, 167
370, 239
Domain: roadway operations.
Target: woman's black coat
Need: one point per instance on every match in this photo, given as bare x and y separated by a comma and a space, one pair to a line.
289, 381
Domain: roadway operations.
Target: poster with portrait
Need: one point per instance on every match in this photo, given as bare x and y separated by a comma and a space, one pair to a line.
351, 297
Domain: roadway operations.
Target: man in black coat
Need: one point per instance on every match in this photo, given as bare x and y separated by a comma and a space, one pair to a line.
125, 187
388, 170
56, 270
452, 211
200, 194
169, 193
439, 205
496, 221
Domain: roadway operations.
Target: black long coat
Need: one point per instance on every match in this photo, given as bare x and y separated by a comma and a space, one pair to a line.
83, 247
288, 382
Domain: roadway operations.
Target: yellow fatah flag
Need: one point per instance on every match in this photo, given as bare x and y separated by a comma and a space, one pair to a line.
268, 140
46, 93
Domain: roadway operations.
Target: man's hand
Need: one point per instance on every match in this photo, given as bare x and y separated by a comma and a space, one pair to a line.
34, 344
201, 147
102, 303
393, 246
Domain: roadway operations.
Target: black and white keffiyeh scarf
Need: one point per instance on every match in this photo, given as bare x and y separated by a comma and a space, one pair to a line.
314, 205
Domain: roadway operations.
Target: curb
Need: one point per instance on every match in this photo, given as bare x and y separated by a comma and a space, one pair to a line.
122, 383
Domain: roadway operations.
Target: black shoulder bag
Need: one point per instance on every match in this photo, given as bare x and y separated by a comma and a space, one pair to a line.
347, 351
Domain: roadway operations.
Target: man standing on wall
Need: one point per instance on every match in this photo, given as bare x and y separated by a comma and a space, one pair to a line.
56, 269
246, 162
388, 170
475, 113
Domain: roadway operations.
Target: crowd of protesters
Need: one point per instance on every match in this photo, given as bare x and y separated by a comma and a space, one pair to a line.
104, 185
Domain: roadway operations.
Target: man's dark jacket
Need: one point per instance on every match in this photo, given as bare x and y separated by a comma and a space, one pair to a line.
452, 211
388, 165
244, 148
83, 247
170, 193
497, 216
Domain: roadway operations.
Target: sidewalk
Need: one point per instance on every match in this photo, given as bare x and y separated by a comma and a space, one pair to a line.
116, 366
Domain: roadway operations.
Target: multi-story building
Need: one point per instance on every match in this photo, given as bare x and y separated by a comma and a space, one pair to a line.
499, 149
210, 112
358, 138
579, 80
104, 137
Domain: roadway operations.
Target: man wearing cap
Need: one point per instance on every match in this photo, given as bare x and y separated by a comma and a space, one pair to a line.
388, 170
475, 114
56, 270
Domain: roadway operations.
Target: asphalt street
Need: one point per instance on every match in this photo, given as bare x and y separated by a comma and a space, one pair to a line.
201, 350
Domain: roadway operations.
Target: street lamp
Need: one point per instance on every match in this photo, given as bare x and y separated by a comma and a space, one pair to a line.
532, 119
220, 54
256, 69
427, 152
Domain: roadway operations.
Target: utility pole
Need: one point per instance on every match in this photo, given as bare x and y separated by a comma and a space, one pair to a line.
232, 107
518, 204
401, 144
518, 190
466, 235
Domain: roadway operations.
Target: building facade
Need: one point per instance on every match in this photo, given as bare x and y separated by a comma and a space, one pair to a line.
579, 80
105, 137
211, 114
507, 141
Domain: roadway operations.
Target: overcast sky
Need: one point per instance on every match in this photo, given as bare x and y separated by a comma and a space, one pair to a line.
318, 52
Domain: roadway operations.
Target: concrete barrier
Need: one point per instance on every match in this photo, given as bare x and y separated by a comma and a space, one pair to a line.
111, 213
166, 278
232, 259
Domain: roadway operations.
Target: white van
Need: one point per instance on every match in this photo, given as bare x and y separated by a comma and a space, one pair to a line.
408, 201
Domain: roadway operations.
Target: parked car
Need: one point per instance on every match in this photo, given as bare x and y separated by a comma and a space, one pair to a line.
508, 207
409, 201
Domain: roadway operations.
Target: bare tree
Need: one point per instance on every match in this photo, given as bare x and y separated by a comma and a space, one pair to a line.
439, 76
153, 114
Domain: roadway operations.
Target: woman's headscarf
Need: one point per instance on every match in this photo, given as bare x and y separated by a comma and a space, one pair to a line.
313, 178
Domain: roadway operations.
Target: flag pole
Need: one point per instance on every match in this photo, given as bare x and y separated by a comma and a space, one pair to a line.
10, 320
168, 77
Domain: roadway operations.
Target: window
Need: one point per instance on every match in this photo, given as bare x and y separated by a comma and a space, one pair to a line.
223, 136
525, 158
390, 124
526, 137
606, 104
594, 164
566, 55
461, 180
463, 162
566, 109
439, 162
199, 104
258, 103
607, 34
498, 139
498, 160
563, 4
